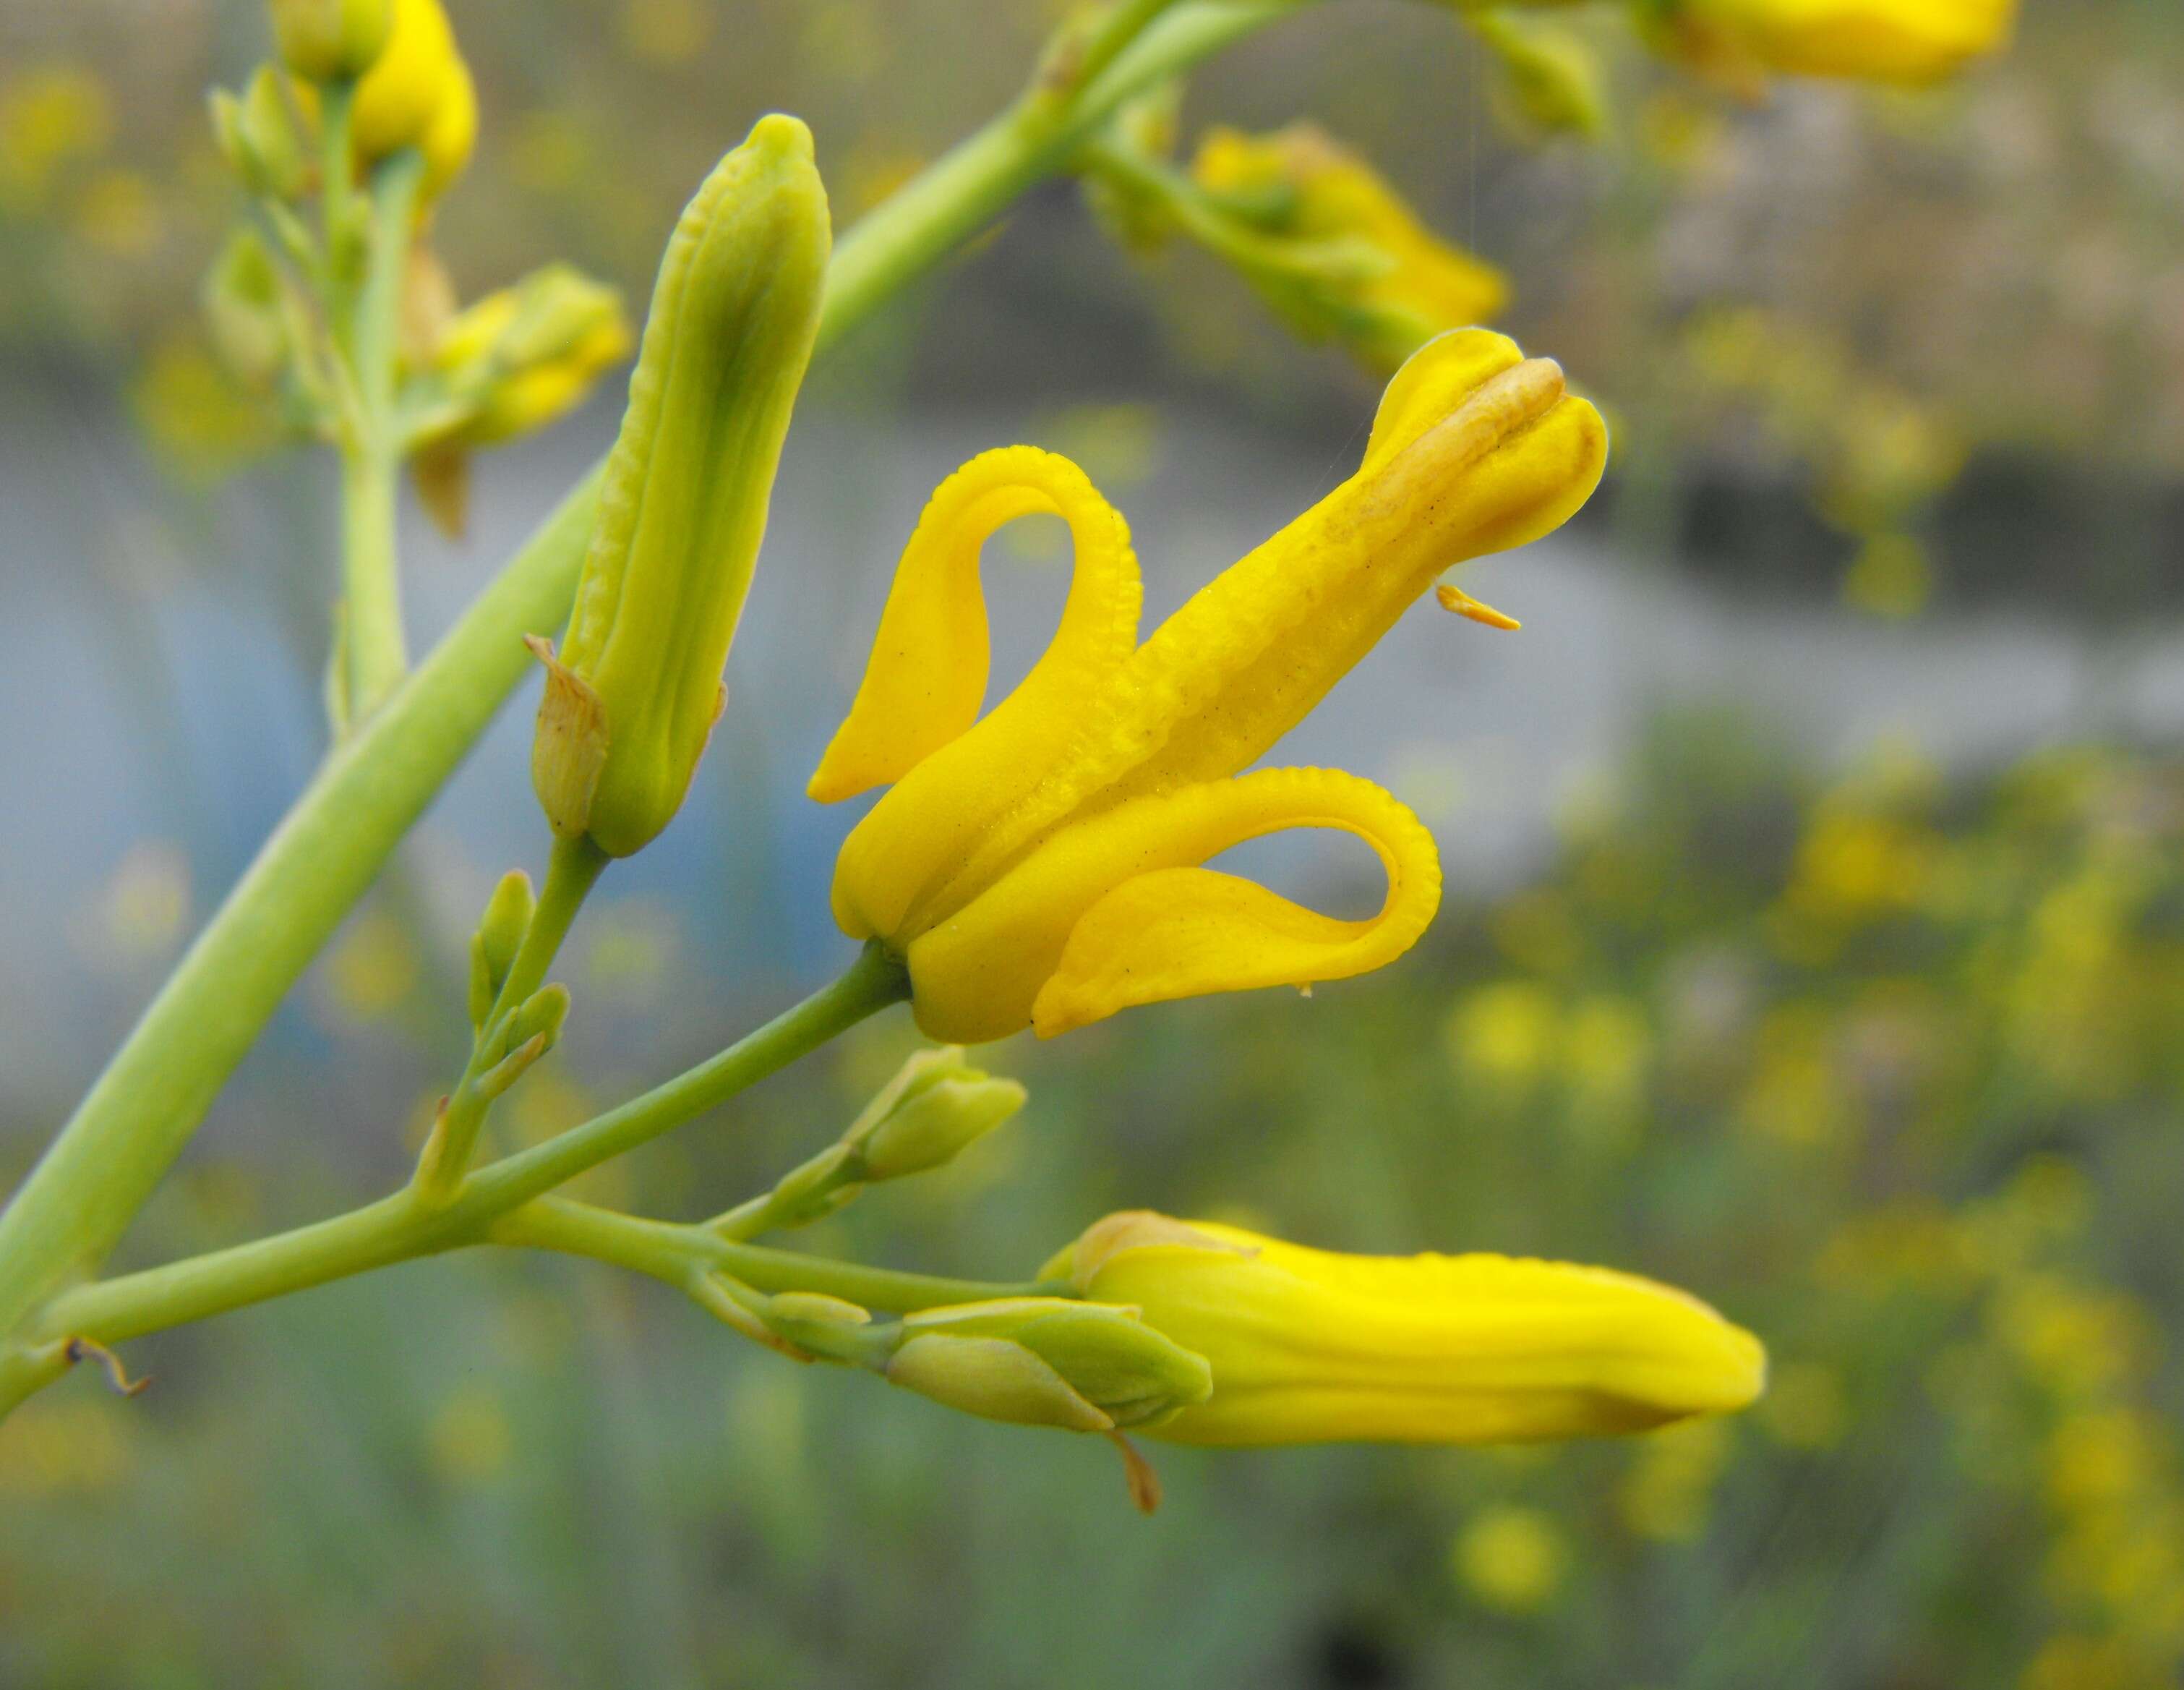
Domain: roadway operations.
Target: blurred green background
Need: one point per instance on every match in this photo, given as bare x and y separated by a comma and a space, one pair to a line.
1815, 938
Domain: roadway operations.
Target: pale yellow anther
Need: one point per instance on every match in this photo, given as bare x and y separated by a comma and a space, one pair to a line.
1453, 598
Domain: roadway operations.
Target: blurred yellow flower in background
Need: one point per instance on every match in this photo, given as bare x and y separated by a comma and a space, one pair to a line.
49, 115
1402, 285
1891, 40
1511, 1559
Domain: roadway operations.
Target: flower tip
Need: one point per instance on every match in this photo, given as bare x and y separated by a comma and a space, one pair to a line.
1710, 1366
782, 136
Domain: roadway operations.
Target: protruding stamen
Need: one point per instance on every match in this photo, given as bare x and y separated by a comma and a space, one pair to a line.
1457, 600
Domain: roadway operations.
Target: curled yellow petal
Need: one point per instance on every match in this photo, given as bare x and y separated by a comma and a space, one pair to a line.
925, 680
1115, 910
1310, 1346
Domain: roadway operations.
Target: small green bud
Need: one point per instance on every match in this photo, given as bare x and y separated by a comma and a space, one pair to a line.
1049, 1361
524, 1036
1554, 75
258, 136
935, 1108
995, 1380
938, 1125
241, 298
499, 937
633, 693
543, 1016
331, 41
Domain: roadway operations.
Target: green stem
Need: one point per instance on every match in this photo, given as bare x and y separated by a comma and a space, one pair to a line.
971, 184
572, 869
871, 984
72, 1209
668, 1251
376, 654
74, 1205
406, 1225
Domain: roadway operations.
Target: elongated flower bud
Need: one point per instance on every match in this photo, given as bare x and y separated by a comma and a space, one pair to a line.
330, 40
1309, 1347
633, 693
933, 1111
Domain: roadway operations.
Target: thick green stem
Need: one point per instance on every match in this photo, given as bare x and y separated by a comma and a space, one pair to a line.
80, 1198
68, 1215
373, 652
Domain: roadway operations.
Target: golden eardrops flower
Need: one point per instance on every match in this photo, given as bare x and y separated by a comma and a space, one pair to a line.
418, 93
1040, 865
1310, 1346
633, 693
1403, 283
1892, 40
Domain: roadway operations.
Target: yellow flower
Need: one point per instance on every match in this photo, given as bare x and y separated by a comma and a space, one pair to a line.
1039, 865
418, 93
1302, 185
1891, 40
1511, 1559
539, 346
1309, 1347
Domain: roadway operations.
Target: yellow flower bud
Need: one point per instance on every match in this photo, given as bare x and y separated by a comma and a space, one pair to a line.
331, 41
418, 93
1050, 1362
530, 352
632, 695
1317, 198
1310, 1346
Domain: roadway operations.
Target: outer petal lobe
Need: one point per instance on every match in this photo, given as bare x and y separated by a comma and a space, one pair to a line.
1113, 911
